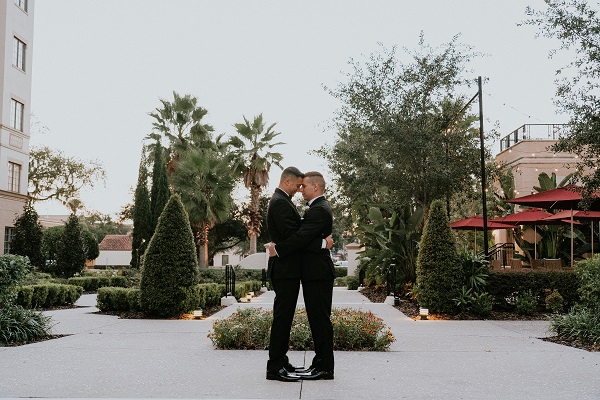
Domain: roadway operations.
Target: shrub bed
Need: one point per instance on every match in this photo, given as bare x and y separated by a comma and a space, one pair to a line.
352, 330
341, 272
93, 283
48, 295
118, 299
508, 287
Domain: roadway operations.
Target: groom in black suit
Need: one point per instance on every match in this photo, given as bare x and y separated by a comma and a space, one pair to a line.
316, 271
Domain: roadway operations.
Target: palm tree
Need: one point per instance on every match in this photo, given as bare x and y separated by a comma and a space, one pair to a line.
203, 179
254, 157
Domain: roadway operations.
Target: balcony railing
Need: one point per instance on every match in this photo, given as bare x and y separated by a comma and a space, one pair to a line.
534, 132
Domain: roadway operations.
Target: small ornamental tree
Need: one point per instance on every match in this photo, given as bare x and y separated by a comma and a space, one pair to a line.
90, 244
70, 254
27, 240
142, 216
159, 193
439, 272
170, 267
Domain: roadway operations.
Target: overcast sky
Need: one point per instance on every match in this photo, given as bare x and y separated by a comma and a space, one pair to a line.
99, 67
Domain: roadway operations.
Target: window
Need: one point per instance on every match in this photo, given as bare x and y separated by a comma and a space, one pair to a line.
225, 259
14, 177
16, 115
19, 54
9, 233
22, 4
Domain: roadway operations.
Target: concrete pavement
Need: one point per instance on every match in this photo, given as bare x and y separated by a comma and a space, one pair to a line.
107, 357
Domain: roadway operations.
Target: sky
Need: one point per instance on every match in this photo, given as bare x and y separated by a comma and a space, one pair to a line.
99, 68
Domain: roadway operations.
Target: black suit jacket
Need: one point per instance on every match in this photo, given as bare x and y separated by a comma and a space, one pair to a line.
317, 223
282, 221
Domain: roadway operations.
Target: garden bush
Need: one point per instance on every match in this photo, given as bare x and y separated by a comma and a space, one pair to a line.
118, 299
93, 283
439, 272
505, 287
18, 325
583, 320
588, 275
340, 281
554, 301
526, 303
48, 295
341, 272
352, 282
170, 268
352, 330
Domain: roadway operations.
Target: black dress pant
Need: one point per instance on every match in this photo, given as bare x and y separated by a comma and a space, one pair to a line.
284, 308
317, 298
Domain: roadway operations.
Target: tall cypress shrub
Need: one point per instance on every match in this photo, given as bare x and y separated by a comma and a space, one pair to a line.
28, 236
159, 193
142, 215
439, 272
170, 269
70, 254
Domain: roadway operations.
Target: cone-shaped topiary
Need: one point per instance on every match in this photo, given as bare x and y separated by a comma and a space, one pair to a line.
28, 236
170, 268
70, 255
439, 272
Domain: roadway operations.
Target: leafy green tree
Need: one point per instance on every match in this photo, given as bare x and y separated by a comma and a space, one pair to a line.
403, 135
439, 272
53, 175
170, 269
253, 145
102, 224
51, 242
159, 193
90, 244
71, 252
28, 236
204, 182
141, 216
575, 24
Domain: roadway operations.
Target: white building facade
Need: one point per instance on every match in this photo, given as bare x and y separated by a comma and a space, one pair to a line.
16, 44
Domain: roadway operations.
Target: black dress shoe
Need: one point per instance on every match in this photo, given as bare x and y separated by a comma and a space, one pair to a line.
295, 368
282, 375
314, 374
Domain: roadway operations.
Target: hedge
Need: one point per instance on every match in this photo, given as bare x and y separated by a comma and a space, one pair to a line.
48, 295
118, 299
507, 286
93, 283
341, 272
206, 294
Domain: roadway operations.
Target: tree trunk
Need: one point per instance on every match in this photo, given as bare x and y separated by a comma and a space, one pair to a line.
255, 218
202, 245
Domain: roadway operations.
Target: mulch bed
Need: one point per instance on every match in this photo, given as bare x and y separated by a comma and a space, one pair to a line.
411, 310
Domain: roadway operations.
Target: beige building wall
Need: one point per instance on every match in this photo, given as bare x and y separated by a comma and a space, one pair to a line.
16, 44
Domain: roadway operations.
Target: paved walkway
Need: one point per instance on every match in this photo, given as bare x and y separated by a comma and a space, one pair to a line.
108, 357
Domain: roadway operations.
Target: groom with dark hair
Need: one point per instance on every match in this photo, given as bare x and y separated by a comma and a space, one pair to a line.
316, 273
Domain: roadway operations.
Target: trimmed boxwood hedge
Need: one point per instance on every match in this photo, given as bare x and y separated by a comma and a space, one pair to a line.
93, 283
206, 295
48, 295
507, 286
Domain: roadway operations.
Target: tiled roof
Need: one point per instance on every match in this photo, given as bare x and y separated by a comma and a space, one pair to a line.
116, 242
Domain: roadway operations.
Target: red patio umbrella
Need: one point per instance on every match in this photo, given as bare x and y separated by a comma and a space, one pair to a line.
475, 223
562, 198
579, 215
532, 216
